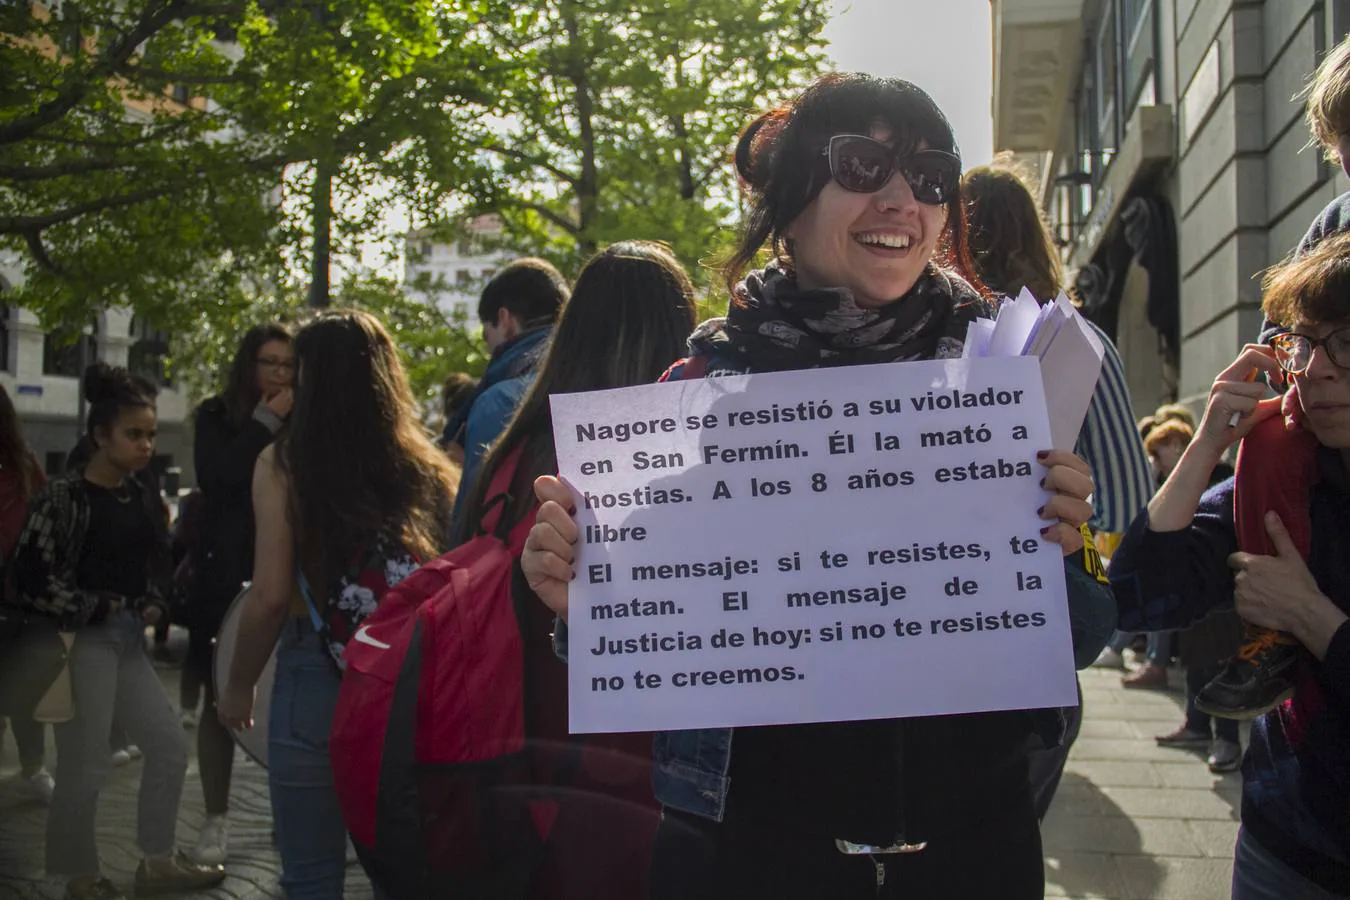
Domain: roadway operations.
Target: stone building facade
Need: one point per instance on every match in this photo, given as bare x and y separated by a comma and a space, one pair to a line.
1172, 158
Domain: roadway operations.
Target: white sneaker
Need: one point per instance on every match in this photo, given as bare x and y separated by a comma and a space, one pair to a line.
188, 719
134, 752
213, 843
121, 757
42, 784
1109, 659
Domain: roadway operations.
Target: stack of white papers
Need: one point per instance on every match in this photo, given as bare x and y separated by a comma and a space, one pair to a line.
1066, 345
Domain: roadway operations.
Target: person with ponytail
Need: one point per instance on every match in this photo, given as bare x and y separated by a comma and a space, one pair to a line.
349, 499
93, 556
854, 188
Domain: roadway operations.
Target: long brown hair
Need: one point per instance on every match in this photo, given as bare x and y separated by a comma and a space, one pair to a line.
628, 318
14, 453
360, 465
241, 392
781, 169
1009, 242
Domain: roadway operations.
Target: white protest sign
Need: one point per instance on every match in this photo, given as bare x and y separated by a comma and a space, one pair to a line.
822, 545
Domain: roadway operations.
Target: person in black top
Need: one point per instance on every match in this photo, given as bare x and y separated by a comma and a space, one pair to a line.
231, 430
90, 555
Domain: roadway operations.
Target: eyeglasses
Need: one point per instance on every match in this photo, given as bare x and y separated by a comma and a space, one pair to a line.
864, 165
280, 365
1294, 351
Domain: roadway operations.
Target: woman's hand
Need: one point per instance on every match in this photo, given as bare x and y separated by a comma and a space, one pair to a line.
550, 547
281, 402
1237, 391
234, 707
1069, 480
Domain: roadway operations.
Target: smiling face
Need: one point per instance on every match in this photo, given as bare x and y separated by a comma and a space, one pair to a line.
1324, 390
875, 245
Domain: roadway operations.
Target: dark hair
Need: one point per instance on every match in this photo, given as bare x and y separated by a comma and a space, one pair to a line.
1009, 242
1314, 287
628, 319
360, 466
241, 392
14, 453
108, 390
530, 289
456, 391
779, 161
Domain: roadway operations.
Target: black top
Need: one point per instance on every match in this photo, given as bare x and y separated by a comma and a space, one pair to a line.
117, 547
224, 456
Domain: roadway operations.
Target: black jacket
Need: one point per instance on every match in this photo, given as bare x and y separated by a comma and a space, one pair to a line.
224, 456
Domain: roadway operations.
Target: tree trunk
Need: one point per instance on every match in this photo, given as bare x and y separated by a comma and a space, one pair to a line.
588, 185
321, 265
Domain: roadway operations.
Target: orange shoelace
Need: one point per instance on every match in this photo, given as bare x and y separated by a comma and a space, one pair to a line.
1264, 640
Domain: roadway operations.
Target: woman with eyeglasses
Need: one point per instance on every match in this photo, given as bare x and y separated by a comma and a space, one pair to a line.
1272, 541
855, 188
231, 429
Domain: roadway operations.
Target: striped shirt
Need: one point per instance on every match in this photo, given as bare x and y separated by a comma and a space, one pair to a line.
1111, 445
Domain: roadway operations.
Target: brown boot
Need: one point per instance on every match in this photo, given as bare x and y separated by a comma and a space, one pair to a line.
1149, 676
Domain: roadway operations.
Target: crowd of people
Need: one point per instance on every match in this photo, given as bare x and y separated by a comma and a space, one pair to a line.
321, 490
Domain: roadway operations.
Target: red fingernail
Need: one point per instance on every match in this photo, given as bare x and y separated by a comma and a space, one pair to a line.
1045, 532
1041, 511
1042, 454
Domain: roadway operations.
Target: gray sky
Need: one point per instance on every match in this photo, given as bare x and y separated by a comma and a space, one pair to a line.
943, 46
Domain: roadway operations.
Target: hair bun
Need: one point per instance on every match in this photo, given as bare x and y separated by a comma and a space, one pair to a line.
101, 382
756, 145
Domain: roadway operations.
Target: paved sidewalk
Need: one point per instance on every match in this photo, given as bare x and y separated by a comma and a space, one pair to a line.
1132, 821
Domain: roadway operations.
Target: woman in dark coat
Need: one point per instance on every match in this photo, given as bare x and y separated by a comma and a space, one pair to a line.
231, 430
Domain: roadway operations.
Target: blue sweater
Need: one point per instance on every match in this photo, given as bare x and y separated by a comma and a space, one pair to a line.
1296, 776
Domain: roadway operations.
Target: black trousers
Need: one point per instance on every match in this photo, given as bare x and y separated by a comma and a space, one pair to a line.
999, 857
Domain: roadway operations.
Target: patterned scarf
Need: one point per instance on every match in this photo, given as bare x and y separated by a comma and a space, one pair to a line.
773, 325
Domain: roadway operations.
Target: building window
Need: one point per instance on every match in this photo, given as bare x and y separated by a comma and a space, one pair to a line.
462, 276
5, 318
1137, 24
488, 273
1106, 61
181, 94
62, 354
465, 247
149, 352
424, 250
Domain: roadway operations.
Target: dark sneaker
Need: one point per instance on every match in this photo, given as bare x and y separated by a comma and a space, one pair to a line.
178, 874
1254, 682
103, 889
1183, 737
1224, 756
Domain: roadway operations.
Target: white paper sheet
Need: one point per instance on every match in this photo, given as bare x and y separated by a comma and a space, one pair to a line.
822, 545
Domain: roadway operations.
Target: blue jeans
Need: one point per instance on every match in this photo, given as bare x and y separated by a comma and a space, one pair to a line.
1258, 875
311, 837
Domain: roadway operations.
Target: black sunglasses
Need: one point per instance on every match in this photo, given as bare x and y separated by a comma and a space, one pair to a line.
863, 165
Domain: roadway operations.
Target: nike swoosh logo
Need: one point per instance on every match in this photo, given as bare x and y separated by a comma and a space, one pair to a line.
364, 638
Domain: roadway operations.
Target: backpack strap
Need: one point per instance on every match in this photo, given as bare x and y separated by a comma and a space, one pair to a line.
684, 369
498, 497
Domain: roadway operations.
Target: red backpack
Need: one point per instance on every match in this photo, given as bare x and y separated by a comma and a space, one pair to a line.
429, 737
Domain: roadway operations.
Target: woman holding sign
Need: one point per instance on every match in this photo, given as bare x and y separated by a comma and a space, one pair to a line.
856, 188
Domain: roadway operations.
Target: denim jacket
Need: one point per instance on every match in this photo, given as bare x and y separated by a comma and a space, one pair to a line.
690, 768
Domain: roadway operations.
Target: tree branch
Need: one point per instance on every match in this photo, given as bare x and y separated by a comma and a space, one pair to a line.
39, 250
62, 169
557, 219
153, 19
180, 77
526, 158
